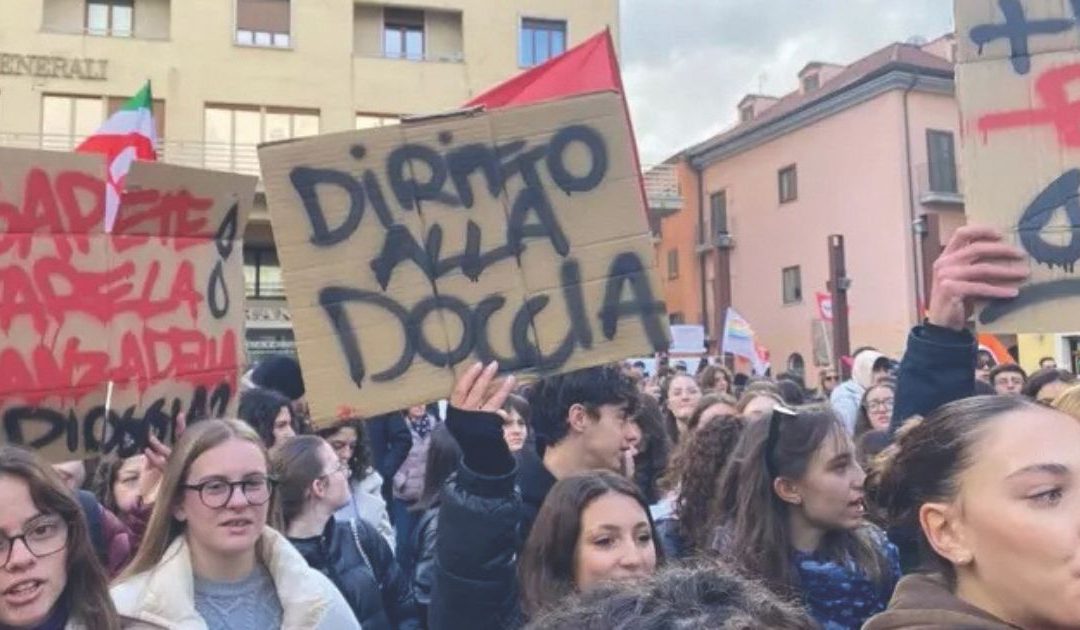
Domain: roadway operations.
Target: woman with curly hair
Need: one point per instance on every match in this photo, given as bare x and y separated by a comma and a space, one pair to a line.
351, 445
652, 450
715, 379
689, 530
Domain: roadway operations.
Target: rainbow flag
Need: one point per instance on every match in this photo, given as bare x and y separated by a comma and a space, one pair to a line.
739, 340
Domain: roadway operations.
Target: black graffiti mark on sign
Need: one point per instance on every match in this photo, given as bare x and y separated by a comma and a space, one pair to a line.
625, 272
1030, 295
1017, 29
217, 293
531, 215
1061, 193
125, 434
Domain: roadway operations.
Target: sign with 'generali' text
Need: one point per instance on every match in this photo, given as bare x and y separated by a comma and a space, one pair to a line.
53, 67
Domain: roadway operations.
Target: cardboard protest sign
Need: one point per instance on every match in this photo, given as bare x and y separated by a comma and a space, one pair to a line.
106, 337
1018, 72
411, 252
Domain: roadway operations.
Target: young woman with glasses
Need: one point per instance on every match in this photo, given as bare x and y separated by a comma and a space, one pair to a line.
875, 411
313, 484
790, 512
49, 574
208, 559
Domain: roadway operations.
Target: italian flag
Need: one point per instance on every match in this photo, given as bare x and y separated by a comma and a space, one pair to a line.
127, 135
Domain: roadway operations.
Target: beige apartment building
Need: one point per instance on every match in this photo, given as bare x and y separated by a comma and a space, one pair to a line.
229, 74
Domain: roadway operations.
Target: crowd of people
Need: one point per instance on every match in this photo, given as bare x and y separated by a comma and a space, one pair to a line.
936, 491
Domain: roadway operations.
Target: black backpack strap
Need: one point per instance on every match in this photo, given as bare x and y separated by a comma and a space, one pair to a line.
92, 511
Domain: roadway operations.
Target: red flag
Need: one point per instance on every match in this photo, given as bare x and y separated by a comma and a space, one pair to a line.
591, 66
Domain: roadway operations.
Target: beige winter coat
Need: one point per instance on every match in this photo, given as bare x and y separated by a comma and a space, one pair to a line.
164, 597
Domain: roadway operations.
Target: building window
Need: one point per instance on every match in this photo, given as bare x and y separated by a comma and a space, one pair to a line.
403, 34
367, 121
746, 113
110, 17
796, 364
263, 23
262, 273
231, 133
68, 120
941, 150
113, 103
540, 40
672, 264
811, 82
792, 279
788, 183
718, 213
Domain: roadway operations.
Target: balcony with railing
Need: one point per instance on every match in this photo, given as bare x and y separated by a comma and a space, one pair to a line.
709, 240
218, 156
939, 184
662, 189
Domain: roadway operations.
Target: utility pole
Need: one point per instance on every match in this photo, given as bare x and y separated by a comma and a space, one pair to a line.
838, 286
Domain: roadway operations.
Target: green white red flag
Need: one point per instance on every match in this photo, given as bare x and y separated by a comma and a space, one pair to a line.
127, 135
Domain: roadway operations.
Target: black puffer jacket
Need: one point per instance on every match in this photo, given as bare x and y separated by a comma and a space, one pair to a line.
476, 548
427, 530
375, 588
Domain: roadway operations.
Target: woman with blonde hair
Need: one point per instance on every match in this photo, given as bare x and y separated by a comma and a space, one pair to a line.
1069, 402
208, 559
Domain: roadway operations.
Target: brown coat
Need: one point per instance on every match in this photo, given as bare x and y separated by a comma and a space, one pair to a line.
925, 603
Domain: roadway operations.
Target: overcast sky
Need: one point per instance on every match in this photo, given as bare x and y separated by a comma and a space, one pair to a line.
686, 63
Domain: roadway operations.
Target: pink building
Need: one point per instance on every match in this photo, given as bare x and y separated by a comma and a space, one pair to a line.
866, 150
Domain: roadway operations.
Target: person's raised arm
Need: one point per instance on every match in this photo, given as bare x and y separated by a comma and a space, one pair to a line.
476, 539
939, 364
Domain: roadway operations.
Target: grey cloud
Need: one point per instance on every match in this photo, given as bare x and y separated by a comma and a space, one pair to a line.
686, 63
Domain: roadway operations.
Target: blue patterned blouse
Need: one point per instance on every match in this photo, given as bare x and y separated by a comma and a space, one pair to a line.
840, 596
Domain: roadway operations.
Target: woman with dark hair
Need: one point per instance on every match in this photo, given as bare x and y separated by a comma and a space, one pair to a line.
518, 415
680, 397
312, 485
711, 407
702, 595
653, 449
875, 410
715, 379
790, 510
442, 460
757, 401
695, 474
349, 440
1046, 385
990, 486
593, 528
50, 576
270, 414
116, 483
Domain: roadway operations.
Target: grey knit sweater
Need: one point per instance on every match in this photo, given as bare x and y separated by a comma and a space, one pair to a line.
250, 604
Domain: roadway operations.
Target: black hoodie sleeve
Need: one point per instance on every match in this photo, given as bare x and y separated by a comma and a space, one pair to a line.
476, 542
938, 367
